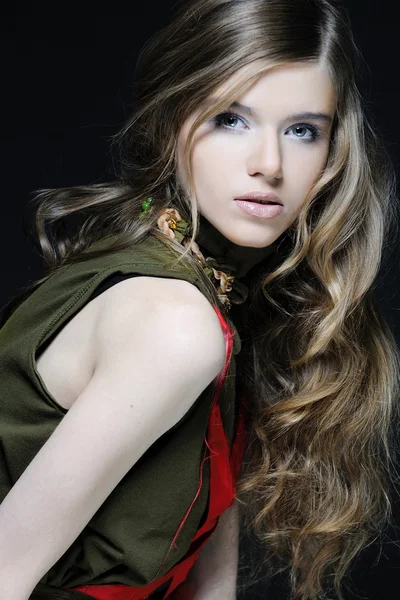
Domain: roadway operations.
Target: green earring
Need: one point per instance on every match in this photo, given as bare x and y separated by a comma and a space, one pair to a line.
146, 205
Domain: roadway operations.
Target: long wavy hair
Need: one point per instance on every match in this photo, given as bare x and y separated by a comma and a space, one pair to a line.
320, 366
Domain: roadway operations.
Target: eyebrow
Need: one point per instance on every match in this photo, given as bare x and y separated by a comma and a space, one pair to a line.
319, 116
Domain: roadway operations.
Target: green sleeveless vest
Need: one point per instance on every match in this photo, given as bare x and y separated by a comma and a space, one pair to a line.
128, 538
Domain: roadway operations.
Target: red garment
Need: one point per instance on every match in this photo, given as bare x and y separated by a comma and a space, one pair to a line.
224, 471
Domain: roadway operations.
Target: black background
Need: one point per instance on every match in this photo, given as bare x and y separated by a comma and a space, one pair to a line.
67, 71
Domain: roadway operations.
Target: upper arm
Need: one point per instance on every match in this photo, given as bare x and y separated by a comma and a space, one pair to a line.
158, 345
169, 330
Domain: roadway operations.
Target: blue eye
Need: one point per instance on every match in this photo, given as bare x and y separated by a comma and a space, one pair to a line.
315, 133
219, 120
223, 118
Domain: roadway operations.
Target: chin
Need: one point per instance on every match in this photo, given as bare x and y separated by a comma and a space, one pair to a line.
249, 241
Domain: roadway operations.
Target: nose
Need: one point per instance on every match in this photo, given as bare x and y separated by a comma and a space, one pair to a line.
265, 157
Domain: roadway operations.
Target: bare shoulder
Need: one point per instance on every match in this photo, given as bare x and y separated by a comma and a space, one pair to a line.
157, 344
166, 320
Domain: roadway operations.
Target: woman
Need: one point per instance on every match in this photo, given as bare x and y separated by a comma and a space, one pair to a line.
243, 235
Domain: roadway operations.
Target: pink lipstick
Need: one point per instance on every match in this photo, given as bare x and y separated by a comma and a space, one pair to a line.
260, 204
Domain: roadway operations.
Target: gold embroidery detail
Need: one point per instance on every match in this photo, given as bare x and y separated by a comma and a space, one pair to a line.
171, 223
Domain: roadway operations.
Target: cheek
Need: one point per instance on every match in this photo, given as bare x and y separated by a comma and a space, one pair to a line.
302, 177
202, 159
209, 164
306, 171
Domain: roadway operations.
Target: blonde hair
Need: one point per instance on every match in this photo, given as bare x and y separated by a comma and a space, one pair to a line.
319, 365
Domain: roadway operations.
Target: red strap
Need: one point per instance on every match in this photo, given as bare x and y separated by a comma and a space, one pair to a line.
224, 470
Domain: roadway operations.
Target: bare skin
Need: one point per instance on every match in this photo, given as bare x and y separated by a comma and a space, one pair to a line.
67, 364
66, 483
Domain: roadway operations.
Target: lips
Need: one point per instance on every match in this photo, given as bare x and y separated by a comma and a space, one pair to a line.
261, 197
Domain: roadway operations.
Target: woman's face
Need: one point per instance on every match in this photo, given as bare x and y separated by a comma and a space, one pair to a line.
272, 149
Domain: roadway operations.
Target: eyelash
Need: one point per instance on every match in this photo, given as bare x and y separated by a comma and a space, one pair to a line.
315, 132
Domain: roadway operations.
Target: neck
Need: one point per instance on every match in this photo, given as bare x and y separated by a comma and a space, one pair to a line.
242, 258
